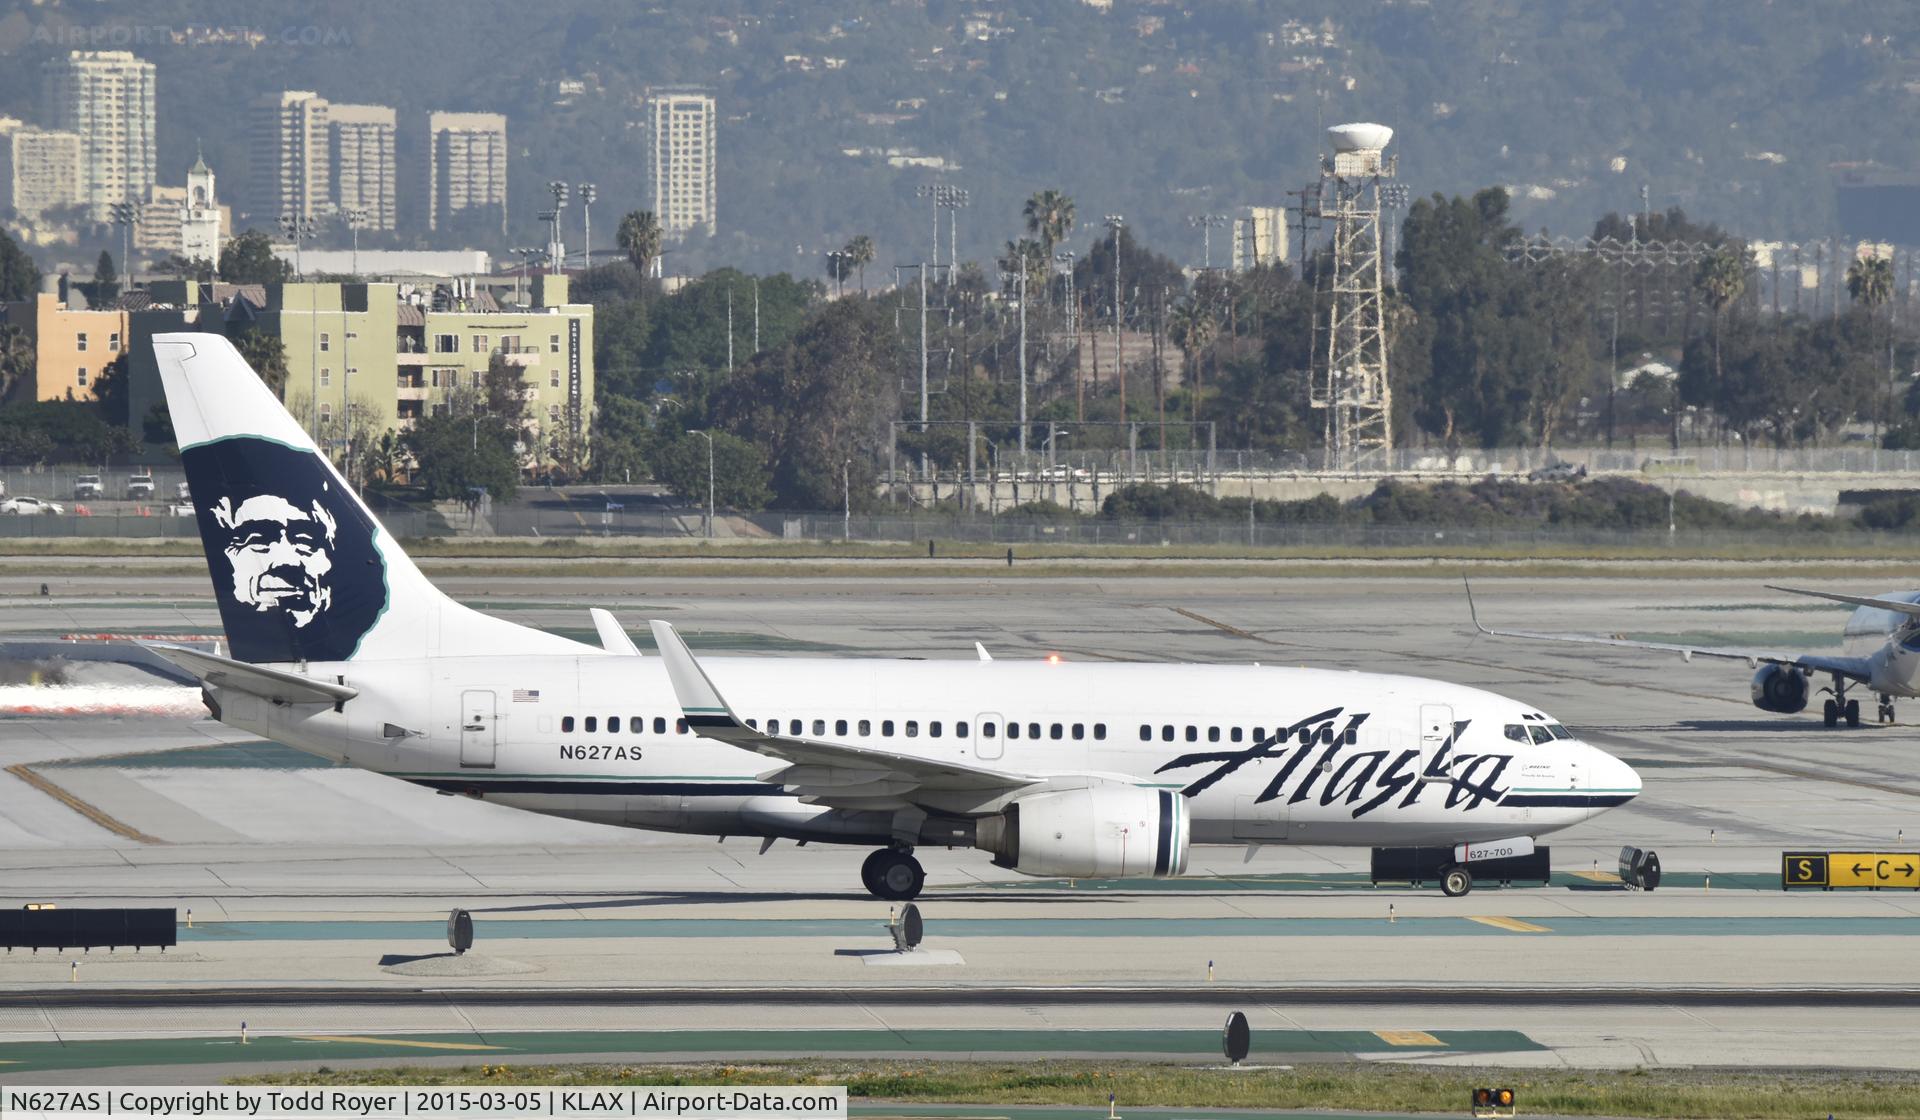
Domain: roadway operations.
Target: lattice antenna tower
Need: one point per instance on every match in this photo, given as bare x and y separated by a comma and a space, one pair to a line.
1353, 386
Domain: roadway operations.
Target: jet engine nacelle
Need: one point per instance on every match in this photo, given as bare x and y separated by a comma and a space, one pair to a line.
1780, 688
1102, 832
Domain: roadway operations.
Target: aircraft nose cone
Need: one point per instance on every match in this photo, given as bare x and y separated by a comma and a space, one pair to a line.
1612, 782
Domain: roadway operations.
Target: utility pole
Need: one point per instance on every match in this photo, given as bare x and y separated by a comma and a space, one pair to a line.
1114, 223
1023, 356
846, 500
923, 365
1073, 308
588, 192
729, 328
708, 436
756, 314
932, 191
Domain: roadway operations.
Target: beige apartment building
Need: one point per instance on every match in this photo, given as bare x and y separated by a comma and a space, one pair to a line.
291, 163
681, 169
466, 165
39, 170
361, 152
107, 99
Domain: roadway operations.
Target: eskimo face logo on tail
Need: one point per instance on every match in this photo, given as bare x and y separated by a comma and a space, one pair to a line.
292, 557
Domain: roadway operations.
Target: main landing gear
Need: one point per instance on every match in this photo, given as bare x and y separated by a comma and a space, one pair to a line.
1455, 880
1840, 707
893, 874
1885, 713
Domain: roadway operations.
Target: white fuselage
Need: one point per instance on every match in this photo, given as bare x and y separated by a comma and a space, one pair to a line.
1891, 644
1361, 759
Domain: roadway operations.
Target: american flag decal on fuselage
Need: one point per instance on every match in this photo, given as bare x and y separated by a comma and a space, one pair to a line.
526, 695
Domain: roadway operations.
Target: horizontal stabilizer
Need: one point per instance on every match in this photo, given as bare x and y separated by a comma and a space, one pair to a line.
276, 685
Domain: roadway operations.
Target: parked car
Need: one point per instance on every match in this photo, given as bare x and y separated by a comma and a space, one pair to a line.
24, 506
140, 486
89, 486
180, 509
1557, 472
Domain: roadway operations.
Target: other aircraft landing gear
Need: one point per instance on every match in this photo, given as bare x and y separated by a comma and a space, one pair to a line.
893, 874
1830, 714
1853, 713
1885, 715
1840, 707
1455, 880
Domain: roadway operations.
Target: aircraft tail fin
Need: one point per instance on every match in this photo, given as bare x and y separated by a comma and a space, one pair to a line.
301, 568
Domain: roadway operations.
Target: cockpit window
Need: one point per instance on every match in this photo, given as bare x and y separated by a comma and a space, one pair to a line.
1540, 734
1559, 732
1516, 732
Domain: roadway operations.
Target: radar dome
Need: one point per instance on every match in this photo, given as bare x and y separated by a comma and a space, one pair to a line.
1359, 137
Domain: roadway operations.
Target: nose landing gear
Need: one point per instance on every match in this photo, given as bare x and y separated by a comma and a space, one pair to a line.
893, 874
1885, 714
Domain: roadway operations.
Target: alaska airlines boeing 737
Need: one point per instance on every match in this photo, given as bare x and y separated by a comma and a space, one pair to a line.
340, 647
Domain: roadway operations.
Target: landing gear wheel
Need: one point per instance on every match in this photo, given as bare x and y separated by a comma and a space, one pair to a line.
1455, 880
1885, 714
896, 875
869, 873
1831, 713
1853, 713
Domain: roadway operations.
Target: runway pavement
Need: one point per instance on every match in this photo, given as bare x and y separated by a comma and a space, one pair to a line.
335, 882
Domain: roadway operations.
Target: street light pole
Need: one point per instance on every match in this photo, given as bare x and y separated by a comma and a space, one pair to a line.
1114, 222
846, 500
708, 436
588, 192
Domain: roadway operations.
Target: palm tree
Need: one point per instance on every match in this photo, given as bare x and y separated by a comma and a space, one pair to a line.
17, 357
860, 254
1722, 278
639, 238
1049, 218
1191, 326
1870, 283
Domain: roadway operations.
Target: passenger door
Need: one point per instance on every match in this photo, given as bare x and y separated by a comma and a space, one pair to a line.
1436, 727
479, 728
989, 732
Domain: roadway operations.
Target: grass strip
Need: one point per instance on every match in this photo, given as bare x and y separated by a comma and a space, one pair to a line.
1655, 1094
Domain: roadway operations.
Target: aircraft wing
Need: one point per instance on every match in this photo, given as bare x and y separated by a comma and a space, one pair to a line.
276, 685
1854, 668
1897, 606
836, 774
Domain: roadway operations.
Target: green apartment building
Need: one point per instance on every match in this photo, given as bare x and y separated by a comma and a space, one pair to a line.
365, 358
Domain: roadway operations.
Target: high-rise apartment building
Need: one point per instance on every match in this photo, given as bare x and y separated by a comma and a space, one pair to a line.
106, 97
680, 160
361, 151
466, 166
39, 170
291, 165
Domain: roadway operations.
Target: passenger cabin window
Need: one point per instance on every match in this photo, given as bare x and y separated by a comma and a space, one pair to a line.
1100, 732
613, 723
839, 727
1056, 731
913, 729
1079, 730
986, 729
592, 724
1166, 732
1146, 732
1013, 730
886, 728
1259, 734
1033, 731
680, 726
754, 723
637, 724
659, 725
1193, 733
866, 727
566, 723
793, 727
933, 729
1213, 734
1233, 734
960, 729
819, 727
